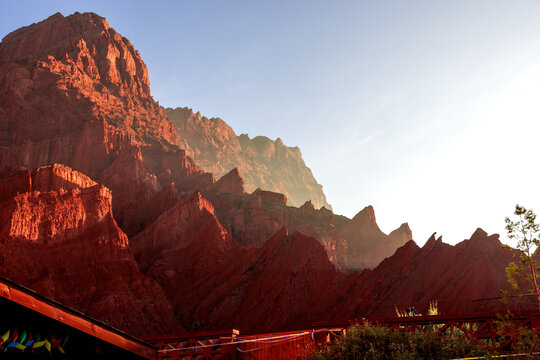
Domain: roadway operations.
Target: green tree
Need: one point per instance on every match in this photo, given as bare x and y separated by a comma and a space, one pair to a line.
525, 231
380, 343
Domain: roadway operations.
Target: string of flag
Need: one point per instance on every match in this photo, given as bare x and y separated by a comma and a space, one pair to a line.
271, 343
26, 341
264, 340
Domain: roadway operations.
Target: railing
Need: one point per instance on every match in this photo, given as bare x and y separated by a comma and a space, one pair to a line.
283, 345
483, 328
196, 345
229, 345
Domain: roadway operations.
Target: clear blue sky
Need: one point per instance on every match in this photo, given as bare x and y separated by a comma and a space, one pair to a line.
428, 110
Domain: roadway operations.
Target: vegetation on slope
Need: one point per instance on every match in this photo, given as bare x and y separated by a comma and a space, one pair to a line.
373, 342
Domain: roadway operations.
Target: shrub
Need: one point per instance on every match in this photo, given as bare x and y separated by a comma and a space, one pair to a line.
373, 342
433, 308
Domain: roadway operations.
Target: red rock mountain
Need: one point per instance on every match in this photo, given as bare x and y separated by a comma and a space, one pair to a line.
464, 278
290, 282
213, 282
184, 250
367, 243
73, 91
58, 237
262, 163
351, 244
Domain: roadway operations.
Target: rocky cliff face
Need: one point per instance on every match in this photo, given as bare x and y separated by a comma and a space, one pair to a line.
209, 253
290, 282
189, 253
73, 91
58, 237
262, 163
351, 244
464, 278
213, 282
367, 243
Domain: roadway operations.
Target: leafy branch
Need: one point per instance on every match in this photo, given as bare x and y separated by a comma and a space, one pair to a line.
526, 232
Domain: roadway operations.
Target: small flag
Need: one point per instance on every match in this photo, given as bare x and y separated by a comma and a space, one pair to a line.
5, 337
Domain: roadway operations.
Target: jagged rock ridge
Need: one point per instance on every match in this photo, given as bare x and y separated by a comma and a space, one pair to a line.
290, 282
262, 163
253, 218
464, 278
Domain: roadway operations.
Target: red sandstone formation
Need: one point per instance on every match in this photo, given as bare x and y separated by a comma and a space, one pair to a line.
350, 244
367, 243
464, 278
193, 258
86, 103
58, 237
213, 282
231, 183
262, 163
74, 91
290, 281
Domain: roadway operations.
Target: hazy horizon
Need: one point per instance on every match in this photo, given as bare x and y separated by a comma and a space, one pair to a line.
426, 110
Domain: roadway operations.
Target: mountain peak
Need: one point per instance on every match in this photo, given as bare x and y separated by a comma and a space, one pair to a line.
479, 234
41, 37
366, 215
85, 42
405, 228
432, 242
231, 182
481, 239
88, 20
400, 236
308, 205
263, 163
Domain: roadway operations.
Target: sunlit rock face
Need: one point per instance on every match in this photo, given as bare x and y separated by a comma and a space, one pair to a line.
367, 244
59, 238
73, 91
262, 163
